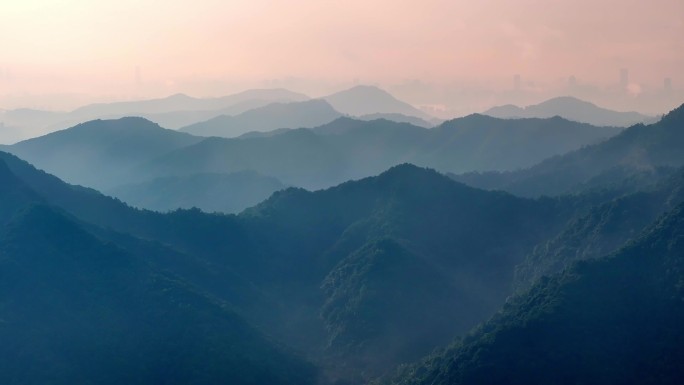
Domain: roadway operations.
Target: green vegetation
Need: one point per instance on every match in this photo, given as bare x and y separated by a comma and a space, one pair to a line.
604, 228
75, 308
616, 320
356, 278
636, 149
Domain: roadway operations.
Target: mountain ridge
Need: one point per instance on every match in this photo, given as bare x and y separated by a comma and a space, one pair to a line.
306, 114
364, 99
638, 147
616, 318
571, 108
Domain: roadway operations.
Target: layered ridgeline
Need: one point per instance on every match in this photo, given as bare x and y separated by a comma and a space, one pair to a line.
351, 149
364, 100
388, 250
101, 153
601, 229
307, 114
616, 320
106, 154
77, 308
637, 151
345, 274
181, 110
132, 151
572, 109
173, 112
348, 274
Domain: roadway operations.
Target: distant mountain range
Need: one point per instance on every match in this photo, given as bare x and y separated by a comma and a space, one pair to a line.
636, 149
181, 110
101, 153
307, 114
572, 109
175, 111
181, 102
351, 149
366, 100
133, 151
567, 289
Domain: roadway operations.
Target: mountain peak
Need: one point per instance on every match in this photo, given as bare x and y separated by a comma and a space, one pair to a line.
565, 100
570, 108
408, 168
273, 116
368, 89
364, 100
126, 123
410, 175
179, 96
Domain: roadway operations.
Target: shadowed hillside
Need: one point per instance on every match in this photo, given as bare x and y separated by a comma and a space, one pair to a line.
636, 149
615, 320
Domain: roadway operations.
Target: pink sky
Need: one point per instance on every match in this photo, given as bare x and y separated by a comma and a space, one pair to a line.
211, 47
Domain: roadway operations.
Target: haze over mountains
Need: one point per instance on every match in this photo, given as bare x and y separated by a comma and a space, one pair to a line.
224, 193
637, 149
572, 109
365, 100
78, 308
179, 110
232, 115
174, 109
357, 251
130, 154
306, 114
309, 193
99, 153
341, 279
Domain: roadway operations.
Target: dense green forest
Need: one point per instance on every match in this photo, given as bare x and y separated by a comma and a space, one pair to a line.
345, 284
638, 149
615, 320
75, 308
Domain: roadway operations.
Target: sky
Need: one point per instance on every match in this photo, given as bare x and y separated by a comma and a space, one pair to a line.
445, 54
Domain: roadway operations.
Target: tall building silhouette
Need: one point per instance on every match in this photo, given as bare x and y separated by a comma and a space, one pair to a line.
667, 85
516, 82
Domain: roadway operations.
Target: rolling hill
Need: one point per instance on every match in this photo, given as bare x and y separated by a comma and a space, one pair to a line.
350, 149
76, 308
101, 152
305, 114
365, 100
572, 109
345, 274
173, 112
301, 259
612, 320
636, 149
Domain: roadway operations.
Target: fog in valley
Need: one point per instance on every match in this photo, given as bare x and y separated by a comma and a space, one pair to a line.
341, 193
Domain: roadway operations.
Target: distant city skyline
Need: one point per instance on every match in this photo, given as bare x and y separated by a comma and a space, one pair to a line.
455, 57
